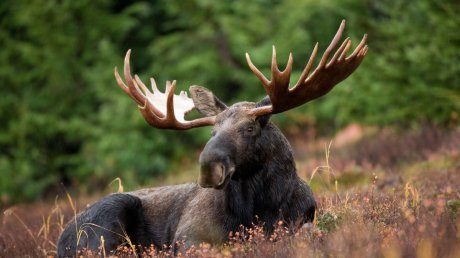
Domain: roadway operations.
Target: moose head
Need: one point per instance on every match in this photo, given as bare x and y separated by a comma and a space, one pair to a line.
239, 129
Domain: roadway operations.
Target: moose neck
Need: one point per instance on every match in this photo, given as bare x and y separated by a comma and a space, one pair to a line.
261, 186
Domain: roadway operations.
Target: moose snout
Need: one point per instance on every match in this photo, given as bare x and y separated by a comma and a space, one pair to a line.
217, 166
215, 174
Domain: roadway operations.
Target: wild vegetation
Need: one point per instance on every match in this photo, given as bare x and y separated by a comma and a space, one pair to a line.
373, 205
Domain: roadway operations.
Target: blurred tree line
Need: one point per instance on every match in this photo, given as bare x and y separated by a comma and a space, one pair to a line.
63, 119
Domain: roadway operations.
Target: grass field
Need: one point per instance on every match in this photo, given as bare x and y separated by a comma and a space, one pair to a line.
380, 193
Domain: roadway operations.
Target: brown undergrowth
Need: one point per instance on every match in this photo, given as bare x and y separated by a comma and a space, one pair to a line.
402, 207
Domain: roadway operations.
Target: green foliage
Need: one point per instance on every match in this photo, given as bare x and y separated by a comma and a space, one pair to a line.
453, 206
328, 222
62, 119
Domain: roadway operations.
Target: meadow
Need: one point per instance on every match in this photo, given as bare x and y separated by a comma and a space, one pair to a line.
380, 193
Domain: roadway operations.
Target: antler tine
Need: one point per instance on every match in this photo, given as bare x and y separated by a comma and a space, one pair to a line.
358, 48
121, 83
344, 53
308, 67
133, 89
279, 83
274, 62
148, 95
333, 44
168, 87
142, 85
365, 51
126, 89
338, 52
260, 75
289, 64
280, 79
153, 85
170, 100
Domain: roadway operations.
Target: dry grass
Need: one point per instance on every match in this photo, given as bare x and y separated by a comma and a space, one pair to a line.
403, 207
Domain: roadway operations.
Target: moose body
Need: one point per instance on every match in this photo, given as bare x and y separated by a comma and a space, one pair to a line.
268, 187
247, 175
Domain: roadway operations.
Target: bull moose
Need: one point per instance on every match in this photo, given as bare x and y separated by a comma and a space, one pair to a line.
247, 167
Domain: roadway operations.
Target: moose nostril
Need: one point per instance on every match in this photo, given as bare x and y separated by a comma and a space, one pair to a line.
211, 174
221, 174
217, 172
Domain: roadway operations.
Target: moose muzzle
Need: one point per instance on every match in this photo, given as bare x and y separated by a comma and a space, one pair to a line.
217, 166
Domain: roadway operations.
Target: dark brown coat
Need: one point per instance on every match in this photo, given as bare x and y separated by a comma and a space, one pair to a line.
255, 175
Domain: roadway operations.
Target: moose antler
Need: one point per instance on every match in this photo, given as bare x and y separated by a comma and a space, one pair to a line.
161, 110
312, 86
167, 111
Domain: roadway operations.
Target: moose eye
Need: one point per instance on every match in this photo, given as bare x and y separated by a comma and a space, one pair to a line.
250, 129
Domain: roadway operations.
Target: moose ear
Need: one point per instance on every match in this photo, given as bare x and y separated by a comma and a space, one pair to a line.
263, 120
205, 101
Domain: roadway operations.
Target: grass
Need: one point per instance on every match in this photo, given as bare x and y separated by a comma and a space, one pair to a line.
400, 207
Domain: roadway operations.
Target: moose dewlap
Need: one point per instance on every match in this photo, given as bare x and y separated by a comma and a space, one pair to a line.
247, 175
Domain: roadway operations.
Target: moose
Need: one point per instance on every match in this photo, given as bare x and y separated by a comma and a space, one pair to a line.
247, 170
